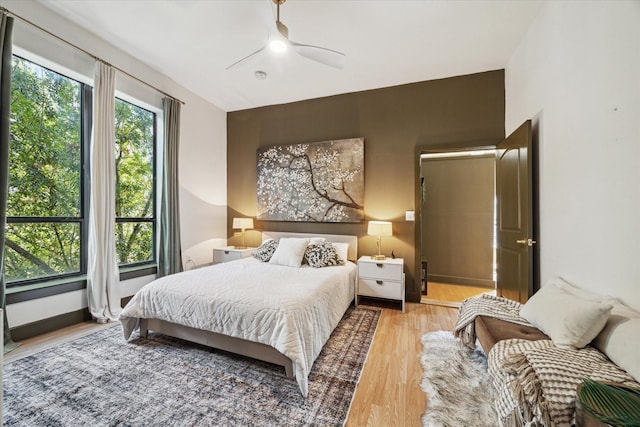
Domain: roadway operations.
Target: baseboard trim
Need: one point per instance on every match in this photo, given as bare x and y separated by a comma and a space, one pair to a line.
44, 326
124, 301
30, 330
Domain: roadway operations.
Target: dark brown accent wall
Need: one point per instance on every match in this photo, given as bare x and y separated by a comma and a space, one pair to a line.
393, 121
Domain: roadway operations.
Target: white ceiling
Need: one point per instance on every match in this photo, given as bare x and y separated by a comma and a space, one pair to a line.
387, 42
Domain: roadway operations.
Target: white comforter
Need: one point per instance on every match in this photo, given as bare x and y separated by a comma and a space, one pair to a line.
291, 309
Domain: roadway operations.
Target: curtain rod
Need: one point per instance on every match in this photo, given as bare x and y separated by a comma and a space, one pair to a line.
8, 12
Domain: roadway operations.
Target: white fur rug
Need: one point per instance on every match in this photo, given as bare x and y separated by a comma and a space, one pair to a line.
457, 384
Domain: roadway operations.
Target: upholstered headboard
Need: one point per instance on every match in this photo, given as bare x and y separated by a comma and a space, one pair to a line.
338, 238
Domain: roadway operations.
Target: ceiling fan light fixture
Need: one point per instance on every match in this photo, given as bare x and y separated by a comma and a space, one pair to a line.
278, 46
279, 43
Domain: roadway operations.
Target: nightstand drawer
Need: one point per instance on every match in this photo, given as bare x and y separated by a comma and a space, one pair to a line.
231, 253
221, 255
378, 270
380, 288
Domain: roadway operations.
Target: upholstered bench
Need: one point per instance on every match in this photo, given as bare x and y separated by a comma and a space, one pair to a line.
539, 352
490, 330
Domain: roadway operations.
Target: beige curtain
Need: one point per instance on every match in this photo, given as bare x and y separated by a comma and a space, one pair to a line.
102, 271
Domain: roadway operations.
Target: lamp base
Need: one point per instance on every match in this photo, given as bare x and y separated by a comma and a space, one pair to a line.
378, 257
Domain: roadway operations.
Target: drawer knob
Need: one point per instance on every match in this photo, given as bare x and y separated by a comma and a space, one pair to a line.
379, 265
379, 282
226, 252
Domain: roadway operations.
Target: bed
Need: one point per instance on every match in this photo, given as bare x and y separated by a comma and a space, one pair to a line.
278, 314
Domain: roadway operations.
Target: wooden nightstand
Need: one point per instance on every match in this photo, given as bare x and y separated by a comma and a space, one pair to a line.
230, 253
381, 279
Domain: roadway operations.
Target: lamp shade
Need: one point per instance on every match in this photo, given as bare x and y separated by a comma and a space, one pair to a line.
379, 228
243, 223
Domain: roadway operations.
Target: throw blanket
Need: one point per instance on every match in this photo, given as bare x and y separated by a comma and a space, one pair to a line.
485, 305
536, 381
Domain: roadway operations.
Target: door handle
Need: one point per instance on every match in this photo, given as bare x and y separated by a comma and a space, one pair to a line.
526, 242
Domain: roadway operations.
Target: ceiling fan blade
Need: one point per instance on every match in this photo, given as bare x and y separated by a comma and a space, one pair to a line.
246, 58
325, 56
264, 9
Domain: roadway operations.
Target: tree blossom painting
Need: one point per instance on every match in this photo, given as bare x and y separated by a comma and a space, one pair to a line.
314, 182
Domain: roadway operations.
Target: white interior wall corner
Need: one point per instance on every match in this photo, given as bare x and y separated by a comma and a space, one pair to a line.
577, 71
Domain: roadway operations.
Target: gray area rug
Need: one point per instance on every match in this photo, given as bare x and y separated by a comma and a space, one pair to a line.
101, 380
457, 384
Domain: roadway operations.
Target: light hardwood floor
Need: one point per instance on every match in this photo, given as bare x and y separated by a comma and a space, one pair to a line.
41, 342
389, 391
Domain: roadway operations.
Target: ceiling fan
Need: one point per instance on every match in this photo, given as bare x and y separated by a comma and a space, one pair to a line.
279, 42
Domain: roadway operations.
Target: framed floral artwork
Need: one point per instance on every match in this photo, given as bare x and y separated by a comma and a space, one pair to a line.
312, 182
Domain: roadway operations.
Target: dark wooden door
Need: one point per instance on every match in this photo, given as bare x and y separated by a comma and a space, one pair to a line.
514, 191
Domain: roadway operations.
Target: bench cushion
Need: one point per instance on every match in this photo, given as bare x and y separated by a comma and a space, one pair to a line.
489, 331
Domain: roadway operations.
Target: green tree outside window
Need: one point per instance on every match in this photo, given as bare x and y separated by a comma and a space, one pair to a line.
45, 212
135, 129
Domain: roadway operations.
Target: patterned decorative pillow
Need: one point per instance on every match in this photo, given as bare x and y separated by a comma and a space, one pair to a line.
266, 250
322, 255
305, 257
313, 241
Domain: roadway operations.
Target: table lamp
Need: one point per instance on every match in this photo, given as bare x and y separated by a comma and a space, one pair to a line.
379, 228
243, 224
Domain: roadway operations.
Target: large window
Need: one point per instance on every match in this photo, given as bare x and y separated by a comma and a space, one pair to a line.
45, 212
135, 202
49, 181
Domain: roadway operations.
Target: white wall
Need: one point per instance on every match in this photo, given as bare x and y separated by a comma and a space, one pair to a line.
203, 180
203, 153
577, 74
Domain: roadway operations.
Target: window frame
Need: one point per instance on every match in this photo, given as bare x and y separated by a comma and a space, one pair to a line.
153, 218
86, 99
34, 288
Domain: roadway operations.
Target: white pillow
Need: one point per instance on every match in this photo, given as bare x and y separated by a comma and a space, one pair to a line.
619, 340
568, 320
342, 249
289, 252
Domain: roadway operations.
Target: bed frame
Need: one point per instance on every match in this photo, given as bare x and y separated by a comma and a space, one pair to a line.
222, 342
235, 345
